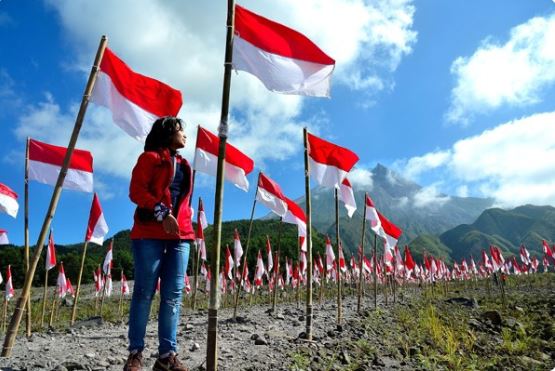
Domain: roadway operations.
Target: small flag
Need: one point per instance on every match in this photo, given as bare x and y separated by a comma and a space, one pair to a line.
8, 201
10, 292
97, 227
4, 237
50, 253
270, 194
107, 265
347, 195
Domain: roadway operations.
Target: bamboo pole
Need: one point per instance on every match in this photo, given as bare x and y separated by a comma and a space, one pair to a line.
361, 255
4, 313
276, 268
212, 336
99, 278
245, 254
106, 277
338, 271
77, 290
308, 331
44, 297
25, 292
54, 301
375, 272
26, 234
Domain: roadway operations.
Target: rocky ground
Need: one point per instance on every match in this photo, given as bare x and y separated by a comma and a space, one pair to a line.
463, 329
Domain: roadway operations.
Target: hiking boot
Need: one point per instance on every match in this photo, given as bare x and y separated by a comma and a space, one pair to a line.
169, 363
134, 362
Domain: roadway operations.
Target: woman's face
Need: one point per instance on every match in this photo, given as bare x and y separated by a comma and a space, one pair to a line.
179, 138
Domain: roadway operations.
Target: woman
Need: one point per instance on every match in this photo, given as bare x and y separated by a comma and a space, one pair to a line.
161, 237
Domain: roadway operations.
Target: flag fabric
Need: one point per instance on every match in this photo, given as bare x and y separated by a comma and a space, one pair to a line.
284, 60
237, 164
237, 248
409, 261
547, 250
50, 260
10, 292
97, 227
347, 195
269, 255
228, 264
330, 256
201, 225
486, 261
496, 257
296, 215
107, 265
70, 290
97, 275
201, 217
188, 285
329, 163
108, 285
342, 263
61, 282
125, 285
383, 228
46, 160
259, 273
270, 194
136, 101
524, 255
8, 201
4, 237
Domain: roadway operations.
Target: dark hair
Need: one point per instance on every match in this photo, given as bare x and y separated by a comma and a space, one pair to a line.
161, 132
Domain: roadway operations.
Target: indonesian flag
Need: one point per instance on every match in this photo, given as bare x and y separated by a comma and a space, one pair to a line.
203, 271
409, 261
545, 263
125, 286
288, 271
46, 160
237, 164
70, 289
354, 266
329, 163
383, 228
269, 253
318, 264
109, 286
107, 265
8, 201
61, 282
303, 264
347, 195
228, 264
97, 275
188, 285
330, 256
136, 101
524, 255
9, 285
366, 265
97, 227
296, 215
270, 194
535, 264
201, 225
485, 259
237, 249
50, 253
399, 264
4, 237
259, 273
284, 60
473, 268
547, 250
496, 257
342, 263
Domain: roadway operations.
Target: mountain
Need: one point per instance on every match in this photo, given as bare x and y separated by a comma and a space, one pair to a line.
507, 229
410, 206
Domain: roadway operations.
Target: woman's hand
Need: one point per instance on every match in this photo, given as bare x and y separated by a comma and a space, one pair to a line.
170, 225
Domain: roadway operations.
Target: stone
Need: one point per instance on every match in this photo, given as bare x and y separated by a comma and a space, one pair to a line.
92, 322
255, 336
260, 341
344, 357
493, 316
71, 366
194, 347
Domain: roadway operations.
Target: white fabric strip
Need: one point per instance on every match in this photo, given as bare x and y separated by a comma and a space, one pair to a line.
326, 175
207, 163
8, 205
76, 180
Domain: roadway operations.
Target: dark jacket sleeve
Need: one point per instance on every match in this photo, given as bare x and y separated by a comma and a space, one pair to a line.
139, 190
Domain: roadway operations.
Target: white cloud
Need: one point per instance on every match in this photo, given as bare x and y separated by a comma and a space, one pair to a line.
513, 162
417, 165
181, 44
429, 197
361, 177
498, 74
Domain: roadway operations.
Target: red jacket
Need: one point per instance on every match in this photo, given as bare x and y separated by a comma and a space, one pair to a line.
150, 184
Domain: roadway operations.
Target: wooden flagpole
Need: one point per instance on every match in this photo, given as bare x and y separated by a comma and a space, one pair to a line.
25, 292
212, 336
4, 313
99, 279
44, 297
338, 241
74, 309
245, 254
26, 232
375, 271
308, 331
276, 267
361, 255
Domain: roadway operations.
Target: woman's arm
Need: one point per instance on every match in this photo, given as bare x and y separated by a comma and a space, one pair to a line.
143, 173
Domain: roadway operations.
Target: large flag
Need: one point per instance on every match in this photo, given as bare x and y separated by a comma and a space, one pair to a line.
237, 164
296, 215
46, 160
50, 261
97, 227
136, 101
329, 163
347, 195
8, 201
107, 265
284, 60
270, 194
4, 237
10, 292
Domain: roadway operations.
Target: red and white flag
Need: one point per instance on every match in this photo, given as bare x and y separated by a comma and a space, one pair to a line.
136, 101
107, 265
201, 218
201, 226
409, 261
228, 264
342, 263
108, 285
10, 292
97, 275
269, 254
288, 271
547, 250
4, 237
46, 160
383, 228
97, 227
260, 271
61, 282
270, 194
284, 60
70, 289
237, 164
496, 257
329, 163
524, 255
486, 261
237, 249
347, 195
8, 201
187, 285
296, 215
330, 256
125, 286
50, 261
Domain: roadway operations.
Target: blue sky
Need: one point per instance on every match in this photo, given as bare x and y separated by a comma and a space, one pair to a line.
456, 95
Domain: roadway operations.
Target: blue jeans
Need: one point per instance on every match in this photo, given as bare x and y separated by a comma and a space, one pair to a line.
166, 259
